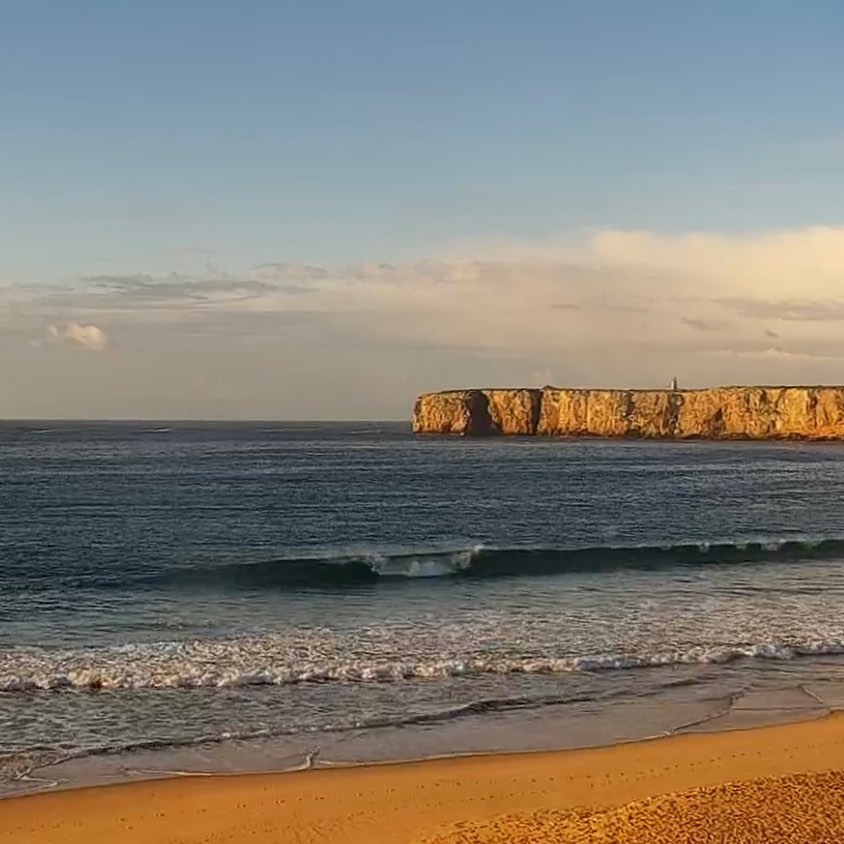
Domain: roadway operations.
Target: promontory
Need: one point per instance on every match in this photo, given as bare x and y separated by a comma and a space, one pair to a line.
755, 413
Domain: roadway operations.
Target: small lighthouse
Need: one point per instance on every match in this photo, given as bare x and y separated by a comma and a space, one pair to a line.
674, 386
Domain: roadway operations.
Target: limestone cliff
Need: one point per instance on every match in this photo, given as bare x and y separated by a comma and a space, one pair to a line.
812, 413
478, 412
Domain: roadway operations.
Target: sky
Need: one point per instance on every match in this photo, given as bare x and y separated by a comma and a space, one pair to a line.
274, 209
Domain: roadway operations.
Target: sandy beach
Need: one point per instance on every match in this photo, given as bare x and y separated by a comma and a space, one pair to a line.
773, 784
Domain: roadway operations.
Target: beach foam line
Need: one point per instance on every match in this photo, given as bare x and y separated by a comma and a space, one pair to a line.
269, 661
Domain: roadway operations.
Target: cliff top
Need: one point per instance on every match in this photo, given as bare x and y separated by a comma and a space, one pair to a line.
638, 389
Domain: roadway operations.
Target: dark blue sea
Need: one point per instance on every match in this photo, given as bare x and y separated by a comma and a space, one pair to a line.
233, 596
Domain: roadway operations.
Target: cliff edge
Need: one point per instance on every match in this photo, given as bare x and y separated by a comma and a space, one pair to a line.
757, 413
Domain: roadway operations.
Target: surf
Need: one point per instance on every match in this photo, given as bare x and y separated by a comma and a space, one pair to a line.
340, 569
271, 661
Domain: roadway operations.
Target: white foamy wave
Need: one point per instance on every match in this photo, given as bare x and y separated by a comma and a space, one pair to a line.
266, 661
422, 565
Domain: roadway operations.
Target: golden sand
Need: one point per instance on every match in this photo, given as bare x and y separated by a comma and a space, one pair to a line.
798, 809
674, 790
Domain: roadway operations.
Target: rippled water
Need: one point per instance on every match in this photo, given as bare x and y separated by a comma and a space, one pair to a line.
179, 584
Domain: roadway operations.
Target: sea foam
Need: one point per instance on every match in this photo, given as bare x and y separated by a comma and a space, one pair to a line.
268, 661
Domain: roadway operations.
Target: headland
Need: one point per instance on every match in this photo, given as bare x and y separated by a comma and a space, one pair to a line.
742, 413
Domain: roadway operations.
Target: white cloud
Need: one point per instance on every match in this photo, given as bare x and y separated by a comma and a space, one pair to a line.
605, 308
610, 288
90, 337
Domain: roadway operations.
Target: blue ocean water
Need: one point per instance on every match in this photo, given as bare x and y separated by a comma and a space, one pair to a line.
179, 585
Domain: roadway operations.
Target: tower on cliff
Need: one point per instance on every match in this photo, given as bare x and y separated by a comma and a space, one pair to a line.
674, 386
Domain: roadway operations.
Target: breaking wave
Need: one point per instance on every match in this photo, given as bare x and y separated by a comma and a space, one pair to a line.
265, 661
481, 561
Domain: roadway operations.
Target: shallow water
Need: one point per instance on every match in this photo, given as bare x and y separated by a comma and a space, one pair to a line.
238, 595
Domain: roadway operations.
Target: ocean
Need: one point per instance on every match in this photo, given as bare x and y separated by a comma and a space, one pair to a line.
252, 596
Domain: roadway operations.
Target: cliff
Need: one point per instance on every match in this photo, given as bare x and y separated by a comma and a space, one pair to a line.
810, 413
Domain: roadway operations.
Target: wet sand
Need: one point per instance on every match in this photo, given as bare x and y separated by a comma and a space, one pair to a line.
731, 786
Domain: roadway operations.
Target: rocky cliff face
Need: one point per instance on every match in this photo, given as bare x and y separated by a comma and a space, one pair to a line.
812, 413
479, 412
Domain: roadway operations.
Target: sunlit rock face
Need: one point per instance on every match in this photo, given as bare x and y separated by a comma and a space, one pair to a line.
810, 413
478, 412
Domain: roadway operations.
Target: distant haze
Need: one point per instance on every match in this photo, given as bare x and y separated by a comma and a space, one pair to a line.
271, 211
291, 340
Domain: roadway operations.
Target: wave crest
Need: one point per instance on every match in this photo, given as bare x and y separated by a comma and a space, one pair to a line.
349, 569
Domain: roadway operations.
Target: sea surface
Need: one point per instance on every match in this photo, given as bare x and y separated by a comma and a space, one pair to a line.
183, 596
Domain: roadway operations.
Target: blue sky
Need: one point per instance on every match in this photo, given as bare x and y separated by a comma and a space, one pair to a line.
336, 131
213, 136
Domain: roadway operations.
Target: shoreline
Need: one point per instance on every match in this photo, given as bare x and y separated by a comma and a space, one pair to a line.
408, 801
680, 708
